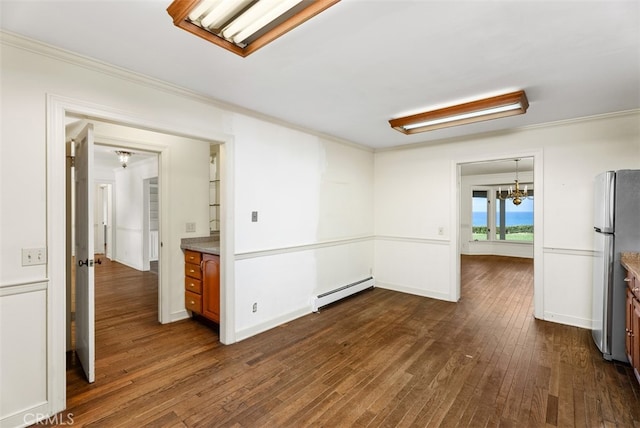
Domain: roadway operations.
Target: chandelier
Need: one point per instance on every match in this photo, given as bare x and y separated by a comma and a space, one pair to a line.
516, 194
123, 157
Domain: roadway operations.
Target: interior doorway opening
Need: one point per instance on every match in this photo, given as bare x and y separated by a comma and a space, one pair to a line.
108, 228
491, 233
169, 141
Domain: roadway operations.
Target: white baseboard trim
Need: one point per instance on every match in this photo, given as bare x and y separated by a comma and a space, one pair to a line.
567, 320
38, 413
276, 322
415, 291
122, 262
178, 316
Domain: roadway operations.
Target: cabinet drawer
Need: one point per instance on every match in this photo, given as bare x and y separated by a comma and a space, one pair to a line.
193, 271
192, 257
193, 302
193, 285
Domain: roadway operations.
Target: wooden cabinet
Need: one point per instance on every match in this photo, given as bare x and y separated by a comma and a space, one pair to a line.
202, 284
211, 287
193, 281
629, 342
633, 322
635, 328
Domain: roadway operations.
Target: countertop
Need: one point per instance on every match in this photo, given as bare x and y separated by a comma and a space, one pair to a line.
205, 244
631, 262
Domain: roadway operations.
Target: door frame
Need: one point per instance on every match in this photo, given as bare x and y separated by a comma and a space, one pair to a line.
538, 221
57, 107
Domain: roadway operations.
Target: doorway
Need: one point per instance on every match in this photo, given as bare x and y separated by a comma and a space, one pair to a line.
108, 223
488, 178
170, 166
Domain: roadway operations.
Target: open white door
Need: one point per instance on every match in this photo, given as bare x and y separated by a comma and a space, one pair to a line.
85, 309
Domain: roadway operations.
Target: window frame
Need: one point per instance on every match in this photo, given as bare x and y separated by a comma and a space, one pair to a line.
494, 224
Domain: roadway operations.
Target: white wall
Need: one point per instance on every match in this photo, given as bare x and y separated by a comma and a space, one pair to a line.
130, 211
314, 197
36, 384
315, 225
413, 197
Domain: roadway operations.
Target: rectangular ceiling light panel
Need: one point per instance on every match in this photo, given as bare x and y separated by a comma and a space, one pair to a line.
475, 111
243, 26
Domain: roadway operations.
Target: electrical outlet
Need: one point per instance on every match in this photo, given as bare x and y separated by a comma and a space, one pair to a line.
254, 216
190, 227
255, 307
34, 256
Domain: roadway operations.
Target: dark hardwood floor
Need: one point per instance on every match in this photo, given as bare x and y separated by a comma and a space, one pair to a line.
380, 358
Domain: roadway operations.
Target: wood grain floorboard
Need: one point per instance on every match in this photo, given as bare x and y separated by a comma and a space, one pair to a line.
377, 359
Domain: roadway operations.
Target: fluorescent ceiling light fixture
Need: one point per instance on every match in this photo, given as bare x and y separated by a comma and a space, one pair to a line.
243, 26
505, 105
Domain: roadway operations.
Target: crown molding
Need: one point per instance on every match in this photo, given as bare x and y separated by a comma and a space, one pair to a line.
40, 48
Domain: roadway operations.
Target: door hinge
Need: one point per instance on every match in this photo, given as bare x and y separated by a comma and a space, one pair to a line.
72, 161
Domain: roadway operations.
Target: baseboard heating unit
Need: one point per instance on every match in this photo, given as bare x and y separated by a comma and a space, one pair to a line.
342, 292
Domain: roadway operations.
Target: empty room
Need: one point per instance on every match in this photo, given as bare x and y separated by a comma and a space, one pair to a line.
319, 213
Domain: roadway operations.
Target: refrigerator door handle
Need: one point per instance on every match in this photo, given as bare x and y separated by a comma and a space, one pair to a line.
603, 292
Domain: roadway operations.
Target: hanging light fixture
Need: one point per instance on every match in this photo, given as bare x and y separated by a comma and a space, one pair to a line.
516, 194
123, 156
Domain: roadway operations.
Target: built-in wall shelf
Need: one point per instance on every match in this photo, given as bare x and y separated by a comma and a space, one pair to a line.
214, 190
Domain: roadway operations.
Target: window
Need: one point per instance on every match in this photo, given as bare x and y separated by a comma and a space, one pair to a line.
507, 222
514, 222
479, 217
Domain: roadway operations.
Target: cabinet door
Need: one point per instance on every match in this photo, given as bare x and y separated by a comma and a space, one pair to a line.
629, 328
635, 337
211, 287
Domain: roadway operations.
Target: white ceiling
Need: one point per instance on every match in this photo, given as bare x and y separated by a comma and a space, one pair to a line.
349, 70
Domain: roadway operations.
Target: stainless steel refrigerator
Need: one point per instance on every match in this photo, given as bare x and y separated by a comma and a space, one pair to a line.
617, 230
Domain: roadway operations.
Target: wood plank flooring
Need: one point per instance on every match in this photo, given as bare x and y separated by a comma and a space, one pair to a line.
380, 358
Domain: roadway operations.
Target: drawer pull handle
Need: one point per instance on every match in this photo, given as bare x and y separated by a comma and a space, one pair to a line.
627, 279
191, 271
193, 303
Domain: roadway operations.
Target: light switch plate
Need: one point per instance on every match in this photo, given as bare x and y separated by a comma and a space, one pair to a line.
254, 216
190, 227
34, 256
